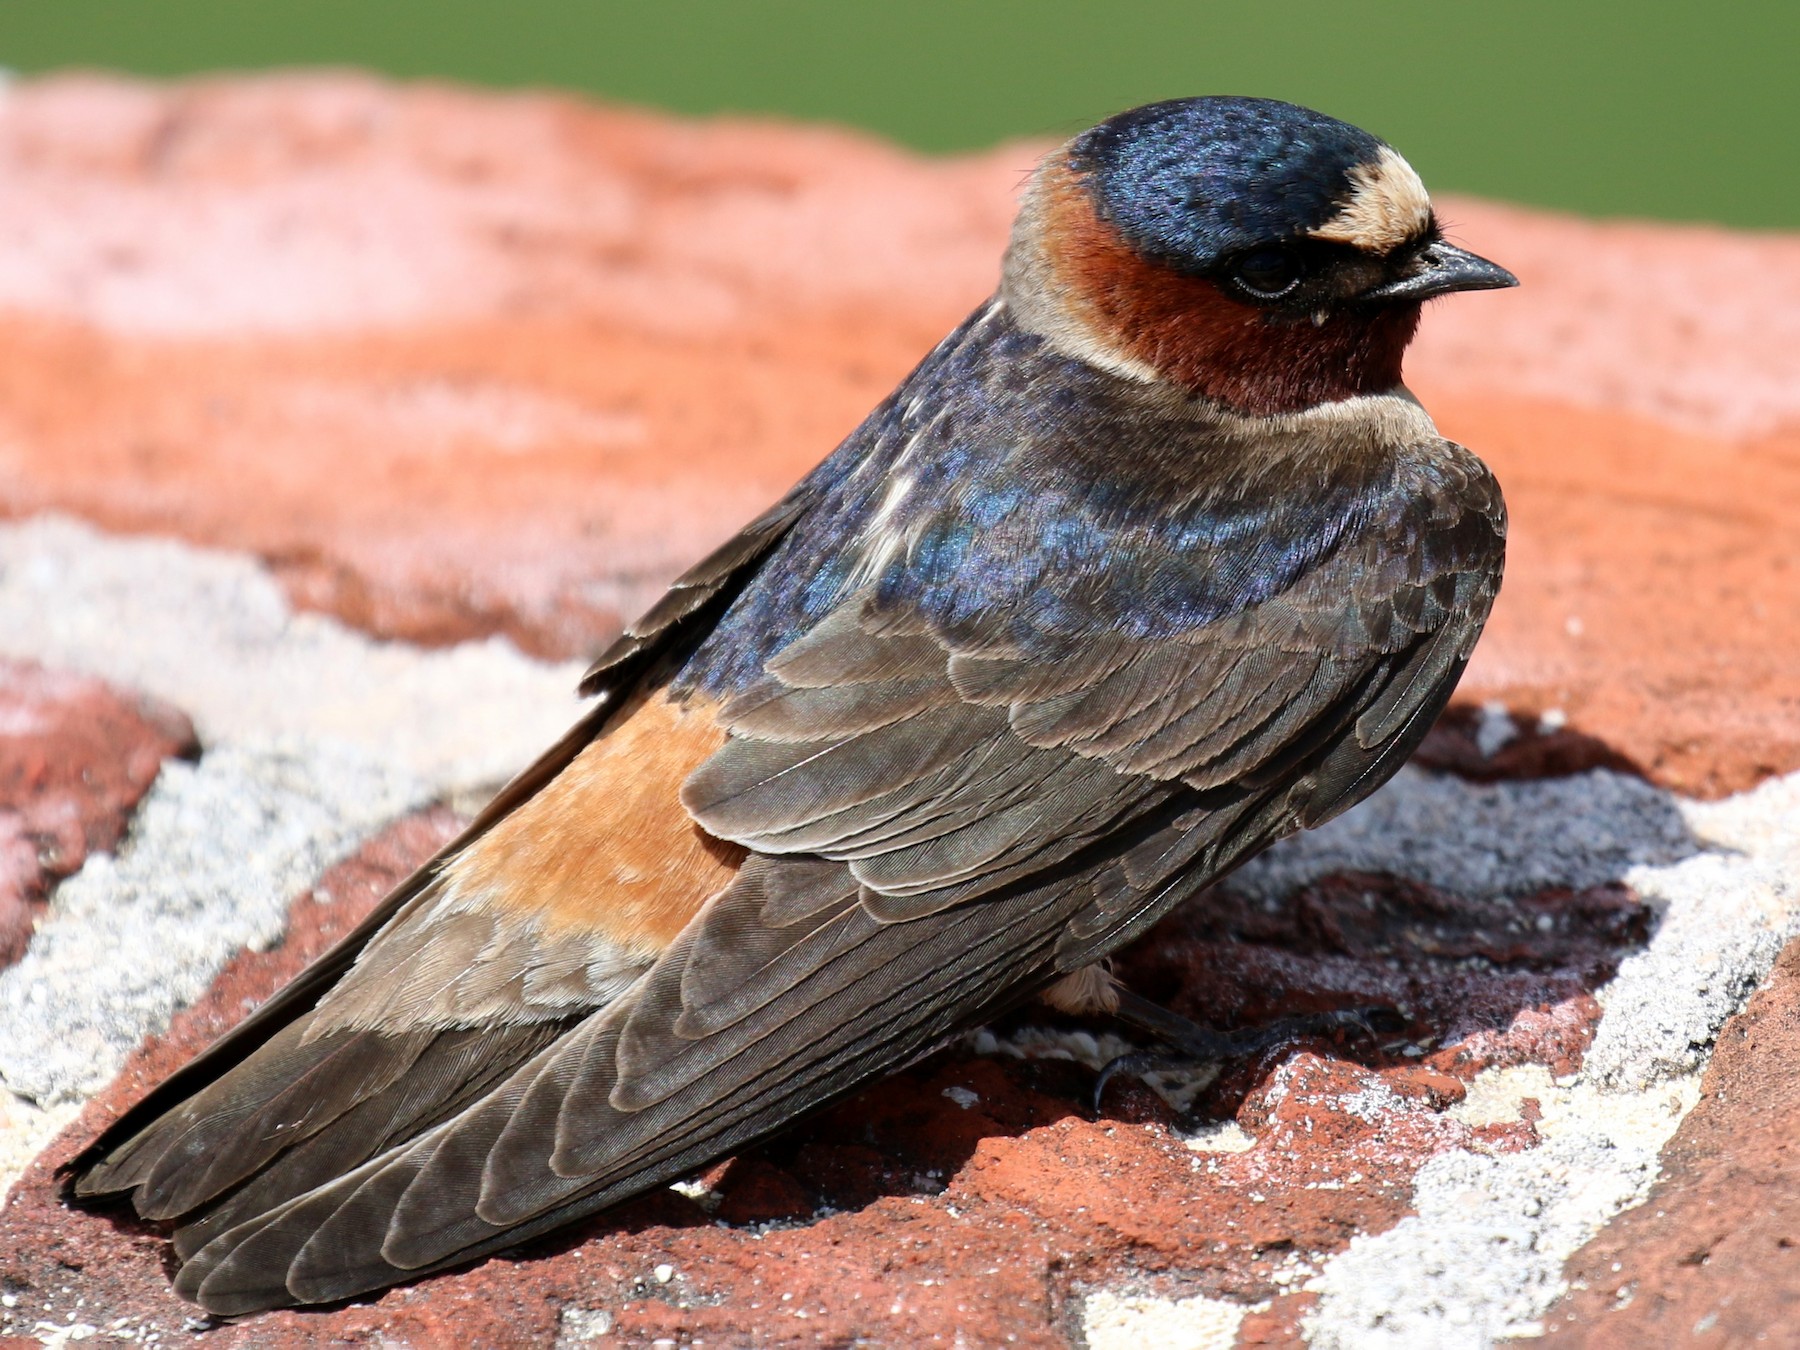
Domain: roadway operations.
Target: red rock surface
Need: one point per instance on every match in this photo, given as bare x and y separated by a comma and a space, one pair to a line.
1652, 588
455, 364
75, 758
969, 1194
459, 364
1712, 1257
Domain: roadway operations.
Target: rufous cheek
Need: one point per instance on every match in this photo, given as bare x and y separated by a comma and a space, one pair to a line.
1186, 330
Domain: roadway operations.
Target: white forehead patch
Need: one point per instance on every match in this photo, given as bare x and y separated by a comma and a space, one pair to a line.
1388, 205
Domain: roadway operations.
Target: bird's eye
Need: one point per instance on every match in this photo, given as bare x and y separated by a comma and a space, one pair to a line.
1268, 273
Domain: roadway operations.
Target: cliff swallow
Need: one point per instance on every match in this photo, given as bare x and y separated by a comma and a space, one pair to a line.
1152, 561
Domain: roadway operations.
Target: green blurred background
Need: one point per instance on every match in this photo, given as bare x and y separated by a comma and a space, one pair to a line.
1678, 111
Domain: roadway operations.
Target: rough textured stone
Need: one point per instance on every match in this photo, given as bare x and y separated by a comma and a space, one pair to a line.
1481, 1257
1712, 1256
75, 757
920, 1215
212, 859
41, 1254
973, 1192
458, 364
1649, 578
1111, 1322
213, 634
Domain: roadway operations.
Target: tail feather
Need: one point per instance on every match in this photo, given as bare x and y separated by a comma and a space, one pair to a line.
548, 1145
285, 1093
458, 1069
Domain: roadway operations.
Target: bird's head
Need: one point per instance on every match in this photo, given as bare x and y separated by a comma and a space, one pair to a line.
1253, 252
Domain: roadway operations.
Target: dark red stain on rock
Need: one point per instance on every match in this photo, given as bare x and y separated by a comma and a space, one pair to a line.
1712, 1257
967, 1195
76, 756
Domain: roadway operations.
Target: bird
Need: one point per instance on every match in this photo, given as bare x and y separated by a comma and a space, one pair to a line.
1151, 562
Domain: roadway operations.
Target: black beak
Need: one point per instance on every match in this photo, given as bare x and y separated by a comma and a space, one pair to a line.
1438, 269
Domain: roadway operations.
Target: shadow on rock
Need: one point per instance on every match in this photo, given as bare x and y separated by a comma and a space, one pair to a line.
1489, 745
1469, 977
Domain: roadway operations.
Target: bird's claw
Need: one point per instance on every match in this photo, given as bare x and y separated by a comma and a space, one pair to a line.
1137, 1063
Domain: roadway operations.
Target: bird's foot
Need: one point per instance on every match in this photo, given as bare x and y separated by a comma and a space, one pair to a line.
1191, 1046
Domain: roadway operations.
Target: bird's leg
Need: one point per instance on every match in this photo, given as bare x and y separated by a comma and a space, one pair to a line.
1190, 1045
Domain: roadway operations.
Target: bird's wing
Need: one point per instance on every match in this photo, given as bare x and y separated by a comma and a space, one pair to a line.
938, 823
452, 982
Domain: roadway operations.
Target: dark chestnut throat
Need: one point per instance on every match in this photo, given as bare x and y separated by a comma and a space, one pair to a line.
1191, 333
1260, 364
